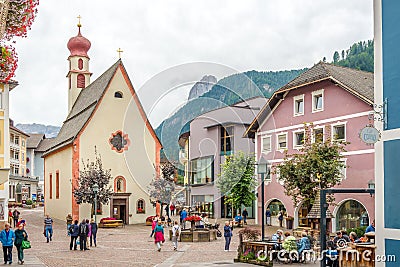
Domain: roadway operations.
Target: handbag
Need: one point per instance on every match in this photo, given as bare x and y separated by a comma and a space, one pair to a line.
25, 244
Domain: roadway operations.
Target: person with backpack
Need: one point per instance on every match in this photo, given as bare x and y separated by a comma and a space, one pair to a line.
176, 231
94, 233
7, 236
83, 232
20, 235
73, 232
48, 227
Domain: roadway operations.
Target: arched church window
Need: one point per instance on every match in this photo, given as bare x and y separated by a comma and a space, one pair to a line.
80, 81
140, 206
80, 64
118, 94
119, 185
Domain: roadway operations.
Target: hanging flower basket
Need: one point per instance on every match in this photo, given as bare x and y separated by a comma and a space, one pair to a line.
8, 63
20, 16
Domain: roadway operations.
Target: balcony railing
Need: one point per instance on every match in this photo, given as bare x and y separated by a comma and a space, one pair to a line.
14, 146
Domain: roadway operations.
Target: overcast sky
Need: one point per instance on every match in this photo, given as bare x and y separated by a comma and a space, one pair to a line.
158, 36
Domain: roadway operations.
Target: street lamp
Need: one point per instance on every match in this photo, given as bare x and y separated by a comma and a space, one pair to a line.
262, 168
95, 189
371, 185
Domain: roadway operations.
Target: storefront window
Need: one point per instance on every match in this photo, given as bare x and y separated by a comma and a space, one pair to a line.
204, 204
351, 214
202, 170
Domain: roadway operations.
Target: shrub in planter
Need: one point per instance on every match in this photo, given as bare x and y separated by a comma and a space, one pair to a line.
29, 202
250, 234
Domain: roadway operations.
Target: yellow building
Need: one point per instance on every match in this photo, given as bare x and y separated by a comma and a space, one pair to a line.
105, 114
22, 186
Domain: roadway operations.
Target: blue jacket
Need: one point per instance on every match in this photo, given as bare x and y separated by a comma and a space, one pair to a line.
76, 229
7, 242
183, 214
304, 244
227, 231
370, 228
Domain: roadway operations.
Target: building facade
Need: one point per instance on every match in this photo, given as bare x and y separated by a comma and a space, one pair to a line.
337, 101
104, 116
387, 94
22, 185
214, 136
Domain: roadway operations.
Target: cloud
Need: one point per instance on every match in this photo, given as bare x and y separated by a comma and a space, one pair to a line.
155, 35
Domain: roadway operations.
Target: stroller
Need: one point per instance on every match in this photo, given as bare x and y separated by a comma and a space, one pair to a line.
216, 226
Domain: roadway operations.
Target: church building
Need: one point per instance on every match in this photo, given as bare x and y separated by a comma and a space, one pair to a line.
105, 115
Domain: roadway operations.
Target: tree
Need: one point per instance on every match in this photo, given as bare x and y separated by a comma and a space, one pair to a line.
237, 180
93, 173
162, 188
343, 54
318, 165
336, 57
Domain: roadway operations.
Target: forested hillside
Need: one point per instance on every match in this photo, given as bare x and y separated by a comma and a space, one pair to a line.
359, 56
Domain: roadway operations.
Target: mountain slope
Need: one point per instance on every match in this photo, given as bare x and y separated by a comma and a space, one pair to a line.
227, 91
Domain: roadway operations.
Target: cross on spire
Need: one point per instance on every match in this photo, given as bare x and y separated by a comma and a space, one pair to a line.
119, 52
79, 21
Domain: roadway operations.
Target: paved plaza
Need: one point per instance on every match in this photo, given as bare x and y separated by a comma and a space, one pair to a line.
129, 246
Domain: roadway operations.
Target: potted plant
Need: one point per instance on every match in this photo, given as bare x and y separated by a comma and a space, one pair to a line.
193, 219
8, 63
140, 210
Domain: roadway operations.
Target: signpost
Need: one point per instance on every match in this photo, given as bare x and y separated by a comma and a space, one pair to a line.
370, 135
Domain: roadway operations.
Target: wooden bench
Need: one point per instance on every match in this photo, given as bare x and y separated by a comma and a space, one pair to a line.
111, 223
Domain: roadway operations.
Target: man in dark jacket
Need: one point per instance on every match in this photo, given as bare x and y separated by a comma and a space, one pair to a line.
73, 232
94, 233
83, 232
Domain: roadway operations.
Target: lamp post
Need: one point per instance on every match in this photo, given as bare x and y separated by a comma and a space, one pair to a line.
262, 169
95, 189
371, 185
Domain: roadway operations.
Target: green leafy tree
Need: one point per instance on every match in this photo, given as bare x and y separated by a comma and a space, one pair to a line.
336, 57
93, 173
317, 165
237, 180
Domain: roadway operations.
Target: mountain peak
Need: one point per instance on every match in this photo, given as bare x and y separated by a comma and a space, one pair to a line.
202, 86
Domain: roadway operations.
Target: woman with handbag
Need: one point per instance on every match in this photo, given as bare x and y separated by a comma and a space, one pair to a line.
21, 237
159, 235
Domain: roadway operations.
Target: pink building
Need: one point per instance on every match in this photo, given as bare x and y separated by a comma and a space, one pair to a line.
337, 101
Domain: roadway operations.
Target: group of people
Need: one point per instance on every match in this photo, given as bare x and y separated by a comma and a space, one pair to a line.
268, 215
157, 229
8, 238
86, 231
289, 243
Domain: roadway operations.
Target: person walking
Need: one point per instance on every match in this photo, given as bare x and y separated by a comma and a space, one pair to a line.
16, 214
176, 231
83, 232
280, 218
172, 209
48, 228
93, 235
89, 233
7, 236
268, 215
159, 235
20, 235
153, 225
228, 233
10, 216
74, 232
245, 214
183, 217
69, 222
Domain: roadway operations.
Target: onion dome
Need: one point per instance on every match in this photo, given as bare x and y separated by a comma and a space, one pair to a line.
79, 45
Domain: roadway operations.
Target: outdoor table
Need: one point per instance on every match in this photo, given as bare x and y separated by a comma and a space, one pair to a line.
368, 259
348, 257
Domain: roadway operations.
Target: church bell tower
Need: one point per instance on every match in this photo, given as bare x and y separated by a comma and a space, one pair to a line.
78, 74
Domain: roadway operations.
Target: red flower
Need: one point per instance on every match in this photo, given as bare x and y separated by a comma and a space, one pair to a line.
193, 218
8, 63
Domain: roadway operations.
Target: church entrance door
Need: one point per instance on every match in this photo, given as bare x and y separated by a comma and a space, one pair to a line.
120, 206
